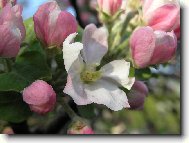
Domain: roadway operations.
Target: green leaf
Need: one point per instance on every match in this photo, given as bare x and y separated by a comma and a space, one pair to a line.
143, 74
30, 65
12, 82
79, 35
30, 34
12, 108
87, 111
132, 72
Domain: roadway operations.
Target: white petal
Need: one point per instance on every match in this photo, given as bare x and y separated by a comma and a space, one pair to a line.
103, 92
95, 44
75, 89
118, 71
71, 51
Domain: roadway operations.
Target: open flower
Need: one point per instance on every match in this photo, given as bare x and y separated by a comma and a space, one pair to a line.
87, 85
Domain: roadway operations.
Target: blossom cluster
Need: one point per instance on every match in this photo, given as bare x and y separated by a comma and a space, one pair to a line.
92, 76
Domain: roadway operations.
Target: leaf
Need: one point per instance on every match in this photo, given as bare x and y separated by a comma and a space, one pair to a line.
12, 108
12, 82
78, 38
30, 34
30, 65
132, 72
143, 74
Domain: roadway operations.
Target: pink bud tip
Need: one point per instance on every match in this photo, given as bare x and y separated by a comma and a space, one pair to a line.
150, 47
80, 128
8, 130
162, 14
52, 26
3, 3
110, 7
40, 96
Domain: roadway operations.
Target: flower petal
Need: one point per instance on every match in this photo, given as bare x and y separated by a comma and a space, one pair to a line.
118, 71
71, 52
10, 41
142, 46
166, 45
12, 15
95, 44
103, 92
75, 89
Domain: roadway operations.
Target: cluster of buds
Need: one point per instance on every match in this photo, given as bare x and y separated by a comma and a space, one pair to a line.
157, 42
153, 43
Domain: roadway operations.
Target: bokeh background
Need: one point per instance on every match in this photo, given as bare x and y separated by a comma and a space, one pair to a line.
161, 113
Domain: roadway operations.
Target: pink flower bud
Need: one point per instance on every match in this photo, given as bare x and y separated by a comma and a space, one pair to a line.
162, 14
12, 30
52, 26
8, 131
40, 96
3, 3
79, 127
137, 95
150, 47
110, 7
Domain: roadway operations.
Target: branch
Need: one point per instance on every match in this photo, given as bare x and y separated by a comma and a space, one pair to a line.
75, 6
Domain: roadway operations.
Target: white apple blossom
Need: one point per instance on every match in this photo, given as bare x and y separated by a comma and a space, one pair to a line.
87, 85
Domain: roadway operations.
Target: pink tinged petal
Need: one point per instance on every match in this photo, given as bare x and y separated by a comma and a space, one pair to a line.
177, 32
87, 130
79, 127
71, 53
10, 41
142, 46
74, 88
40, 96
41, 20
3, 3
165, 48
118, 71
137, 95
95, 44
146, 5
8, 130
109, 6
66, 25
52, 25
12, 15
164, 18
107, 93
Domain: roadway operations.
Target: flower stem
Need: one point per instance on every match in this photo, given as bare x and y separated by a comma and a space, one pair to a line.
130, 16
7, 65
68, 109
